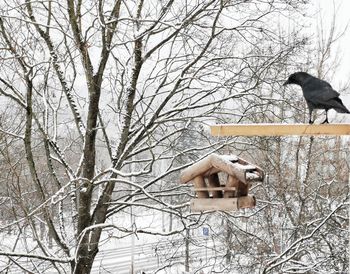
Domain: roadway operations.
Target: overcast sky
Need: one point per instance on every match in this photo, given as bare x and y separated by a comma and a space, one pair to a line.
341, 8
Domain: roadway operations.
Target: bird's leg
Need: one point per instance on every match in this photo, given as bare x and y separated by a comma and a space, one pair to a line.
326, 121
310, 115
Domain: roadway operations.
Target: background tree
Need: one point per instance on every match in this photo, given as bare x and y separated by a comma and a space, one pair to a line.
100, 100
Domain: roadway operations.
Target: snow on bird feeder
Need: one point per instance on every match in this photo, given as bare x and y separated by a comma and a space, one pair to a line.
212, 194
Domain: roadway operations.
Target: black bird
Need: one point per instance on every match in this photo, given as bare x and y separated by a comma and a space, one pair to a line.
318, 94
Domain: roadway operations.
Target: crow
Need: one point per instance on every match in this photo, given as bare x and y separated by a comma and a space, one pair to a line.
318, 94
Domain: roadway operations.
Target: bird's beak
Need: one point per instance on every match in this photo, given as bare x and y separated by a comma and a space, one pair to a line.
286, 83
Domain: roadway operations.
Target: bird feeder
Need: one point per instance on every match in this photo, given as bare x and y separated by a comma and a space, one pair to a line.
222, 182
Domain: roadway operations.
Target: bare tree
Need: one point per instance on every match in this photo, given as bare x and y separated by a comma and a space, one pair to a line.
102, 90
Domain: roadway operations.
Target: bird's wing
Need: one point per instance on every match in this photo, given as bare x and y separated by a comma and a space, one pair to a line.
318, 91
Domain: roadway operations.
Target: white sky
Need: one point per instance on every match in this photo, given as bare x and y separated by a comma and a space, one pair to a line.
341, 8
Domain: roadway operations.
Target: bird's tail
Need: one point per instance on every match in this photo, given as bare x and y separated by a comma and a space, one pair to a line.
342, 110
340, 106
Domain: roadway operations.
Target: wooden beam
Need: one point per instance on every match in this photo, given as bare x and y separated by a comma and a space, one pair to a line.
231, 182
214, 182
220, 188
205, 167
223, 204
200, 183
279, 129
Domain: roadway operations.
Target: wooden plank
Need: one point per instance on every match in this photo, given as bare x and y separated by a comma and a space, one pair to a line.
196, 169
247, 167
233, 169
204, 167
232, 181
214, 188
222, 204
200, 183
279, 129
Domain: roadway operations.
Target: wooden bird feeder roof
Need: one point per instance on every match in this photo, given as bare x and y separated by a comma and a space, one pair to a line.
230, 164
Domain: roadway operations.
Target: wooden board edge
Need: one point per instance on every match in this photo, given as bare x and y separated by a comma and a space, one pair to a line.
279, 129
222, 204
